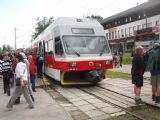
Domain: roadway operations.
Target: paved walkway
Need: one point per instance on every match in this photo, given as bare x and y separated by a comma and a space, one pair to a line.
127, 69
126, 88
45, 108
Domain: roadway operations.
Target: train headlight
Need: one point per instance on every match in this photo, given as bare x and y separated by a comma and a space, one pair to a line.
108, 62
73, 64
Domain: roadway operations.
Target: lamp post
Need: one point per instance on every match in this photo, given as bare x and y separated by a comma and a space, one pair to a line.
15, 44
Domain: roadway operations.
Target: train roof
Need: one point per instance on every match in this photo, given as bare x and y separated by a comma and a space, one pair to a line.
68, 21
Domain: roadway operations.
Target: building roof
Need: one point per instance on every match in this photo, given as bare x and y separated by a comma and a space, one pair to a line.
139, 8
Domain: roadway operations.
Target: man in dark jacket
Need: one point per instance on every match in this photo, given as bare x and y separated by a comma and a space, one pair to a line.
137, 72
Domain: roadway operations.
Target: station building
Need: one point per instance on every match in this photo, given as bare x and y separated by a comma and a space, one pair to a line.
136, 26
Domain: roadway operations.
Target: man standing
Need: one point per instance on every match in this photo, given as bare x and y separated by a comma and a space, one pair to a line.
137, 73
39, 61
153, 66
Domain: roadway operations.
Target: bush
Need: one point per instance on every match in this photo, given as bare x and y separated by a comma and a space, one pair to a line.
127, 60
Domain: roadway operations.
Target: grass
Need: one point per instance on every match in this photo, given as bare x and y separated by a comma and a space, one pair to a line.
113, 74
127, 60
146, 112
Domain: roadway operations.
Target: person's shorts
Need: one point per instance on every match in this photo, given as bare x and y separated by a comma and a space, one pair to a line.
155, 80
137, 80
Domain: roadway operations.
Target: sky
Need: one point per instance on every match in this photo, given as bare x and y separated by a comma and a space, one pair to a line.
22, 14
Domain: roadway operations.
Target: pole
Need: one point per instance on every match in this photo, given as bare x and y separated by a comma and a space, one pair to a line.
15, 44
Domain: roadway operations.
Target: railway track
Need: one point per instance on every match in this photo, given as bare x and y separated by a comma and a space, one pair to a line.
117, 100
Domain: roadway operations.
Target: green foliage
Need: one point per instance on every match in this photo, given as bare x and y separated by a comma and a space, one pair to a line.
42, 24
98, 17
127, 60
4, 49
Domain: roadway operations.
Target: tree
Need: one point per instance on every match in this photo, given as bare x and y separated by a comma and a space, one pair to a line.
41, 25
98, 17
5, 48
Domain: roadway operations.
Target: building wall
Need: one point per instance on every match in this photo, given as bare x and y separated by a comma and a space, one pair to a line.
127, 30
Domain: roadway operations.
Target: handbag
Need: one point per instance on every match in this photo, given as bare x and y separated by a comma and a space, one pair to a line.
17, 81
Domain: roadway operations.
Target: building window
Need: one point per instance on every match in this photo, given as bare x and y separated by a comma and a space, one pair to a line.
115, 34
112, 35
126, 32
115, 23
130, 19
134, 30
149, 25
126, 20
139, 17
130, 31
122, 32
118, 33
139, 27
107, 36
144, 26
119, 22
157, 23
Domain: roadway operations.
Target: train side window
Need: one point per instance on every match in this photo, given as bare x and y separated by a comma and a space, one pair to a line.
50, 46
58, 46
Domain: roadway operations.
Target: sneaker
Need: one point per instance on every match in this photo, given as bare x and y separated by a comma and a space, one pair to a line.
8, 93
157, 99
153, 98
138, 101
30, 107
34, 91
8, 109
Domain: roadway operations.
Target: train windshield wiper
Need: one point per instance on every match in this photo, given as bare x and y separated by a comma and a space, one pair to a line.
102, 51
78, 54
75, 52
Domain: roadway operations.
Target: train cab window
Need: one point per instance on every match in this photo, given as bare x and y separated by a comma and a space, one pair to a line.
58, 46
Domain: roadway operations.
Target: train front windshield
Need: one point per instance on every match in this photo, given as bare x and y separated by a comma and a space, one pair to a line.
85, 45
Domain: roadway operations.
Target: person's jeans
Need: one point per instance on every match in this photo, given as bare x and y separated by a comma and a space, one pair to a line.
6, 83
32, 78
17, 92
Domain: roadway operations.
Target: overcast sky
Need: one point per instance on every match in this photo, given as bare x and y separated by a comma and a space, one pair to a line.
22, 14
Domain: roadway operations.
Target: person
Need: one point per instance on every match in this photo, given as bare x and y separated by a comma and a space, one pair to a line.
39, 61
153, 65
28, 78
21, 73
6, 71
32, 72
120, 58
1, 67
137, 72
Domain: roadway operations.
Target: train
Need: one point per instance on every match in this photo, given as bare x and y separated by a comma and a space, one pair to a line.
75, 51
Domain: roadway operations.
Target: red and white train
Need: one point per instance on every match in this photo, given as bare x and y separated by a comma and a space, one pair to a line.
75, 51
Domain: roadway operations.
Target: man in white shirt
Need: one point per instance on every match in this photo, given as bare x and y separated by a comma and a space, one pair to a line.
21, 75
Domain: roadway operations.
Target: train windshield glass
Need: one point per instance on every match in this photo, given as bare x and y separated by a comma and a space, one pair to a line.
85, 45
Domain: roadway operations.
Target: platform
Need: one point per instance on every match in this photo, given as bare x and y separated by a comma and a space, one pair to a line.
45, 108
125, 87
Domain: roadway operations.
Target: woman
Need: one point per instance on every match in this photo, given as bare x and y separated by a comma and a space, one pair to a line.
21, 73
32, 72
137, 72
